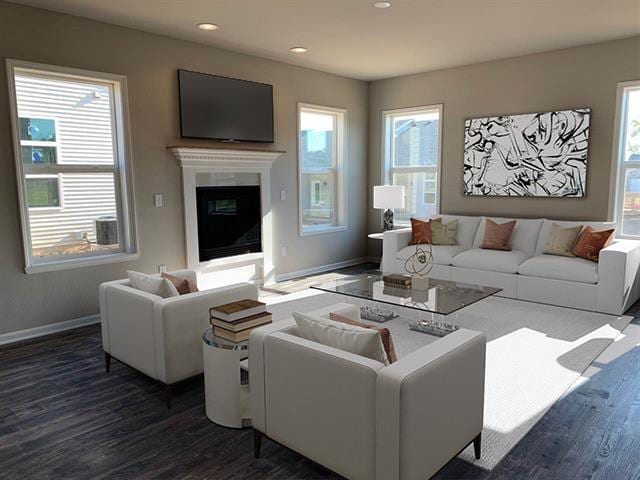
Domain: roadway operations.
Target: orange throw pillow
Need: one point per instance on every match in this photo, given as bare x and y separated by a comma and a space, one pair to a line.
183, 285
420, 232
385, 334
591, 241
497, 236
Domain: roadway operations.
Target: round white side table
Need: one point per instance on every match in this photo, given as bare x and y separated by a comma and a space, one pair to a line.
226, 398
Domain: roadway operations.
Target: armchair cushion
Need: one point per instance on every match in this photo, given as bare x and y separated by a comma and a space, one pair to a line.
152, 284
183, 285
349, 338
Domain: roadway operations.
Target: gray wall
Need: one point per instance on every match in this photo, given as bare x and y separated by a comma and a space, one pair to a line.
150, 63
577, 77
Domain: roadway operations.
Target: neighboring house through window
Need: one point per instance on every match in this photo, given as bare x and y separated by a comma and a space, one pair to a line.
72, 163
411, 157
321, 169
627, 160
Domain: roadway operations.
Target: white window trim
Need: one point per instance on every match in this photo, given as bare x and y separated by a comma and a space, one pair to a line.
341, 170
123, 176
619, 166
385, 149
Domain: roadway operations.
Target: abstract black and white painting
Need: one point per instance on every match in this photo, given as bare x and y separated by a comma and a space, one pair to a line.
536, 154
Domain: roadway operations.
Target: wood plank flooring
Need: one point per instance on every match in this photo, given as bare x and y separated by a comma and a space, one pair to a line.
63, 417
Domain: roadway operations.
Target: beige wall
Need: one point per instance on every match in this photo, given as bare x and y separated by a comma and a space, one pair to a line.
577, 77
150, 63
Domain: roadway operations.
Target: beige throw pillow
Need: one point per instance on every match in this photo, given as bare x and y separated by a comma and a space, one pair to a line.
561, 240
444, 233
152, 284
349, 338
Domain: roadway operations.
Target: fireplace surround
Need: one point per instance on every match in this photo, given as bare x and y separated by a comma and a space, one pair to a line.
206, 167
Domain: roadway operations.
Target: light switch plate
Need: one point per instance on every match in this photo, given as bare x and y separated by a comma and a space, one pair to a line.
162, 268
283, 195
157, 200
284, 251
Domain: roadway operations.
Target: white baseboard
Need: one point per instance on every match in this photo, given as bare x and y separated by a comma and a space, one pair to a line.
28, 333
320, 269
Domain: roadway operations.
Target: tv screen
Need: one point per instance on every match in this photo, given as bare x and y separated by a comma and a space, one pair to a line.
222, 108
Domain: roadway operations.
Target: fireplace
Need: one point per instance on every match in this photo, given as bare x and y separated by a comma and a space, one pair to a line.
229, 221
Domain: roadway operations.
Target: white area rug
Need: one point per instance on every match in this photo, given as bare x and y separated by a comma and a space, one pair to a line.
535, 353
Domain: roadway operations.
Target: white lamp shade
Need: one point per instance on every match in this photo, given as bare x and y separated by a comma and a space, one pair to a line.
388, 196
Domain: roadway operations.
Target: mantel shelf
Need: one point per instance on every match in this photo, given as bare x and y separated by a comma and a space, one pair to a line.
199, 156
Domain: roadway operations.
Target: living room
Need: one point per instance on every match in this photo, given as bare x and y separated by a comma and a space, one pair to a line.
482, 155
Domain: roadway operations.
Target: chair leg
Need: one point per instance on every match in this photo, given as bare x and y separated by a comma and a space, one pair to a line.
107, 361
167, 394
257, 441
477, 444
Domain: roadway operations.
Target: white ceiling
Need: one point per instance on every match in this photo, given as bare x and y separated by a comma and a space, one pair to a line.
352, 38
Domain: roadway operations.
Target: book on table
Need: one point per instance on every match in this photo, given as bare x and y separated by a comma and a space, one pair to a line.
397, 280
237, 310
236, 337
242, 323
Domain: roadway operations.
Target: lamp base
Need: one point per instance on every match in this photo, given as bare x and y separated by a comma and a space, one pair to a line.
387, 220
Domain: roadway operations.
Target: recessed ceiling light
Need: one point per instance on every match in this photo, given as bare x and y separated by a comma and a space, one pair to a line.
298, 49
382, 4
207, 26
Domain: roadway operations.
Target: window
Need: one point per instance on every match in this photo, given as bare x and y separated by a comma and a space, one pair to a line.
627, 160
71, 151
322, 168
411, 157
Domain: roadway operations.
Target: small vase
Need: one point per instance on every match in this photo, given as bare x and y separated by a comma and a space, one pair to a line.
420, 283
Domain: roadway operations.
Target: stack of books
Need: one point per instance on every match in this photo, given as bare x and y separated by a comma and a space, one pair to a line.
397, 281
234, 321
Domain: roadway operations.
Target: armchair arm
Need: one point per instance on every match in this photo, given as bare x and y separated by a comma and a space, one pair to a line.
431, 400
126, 316
618, 284
179, 323
320, 401
392, 242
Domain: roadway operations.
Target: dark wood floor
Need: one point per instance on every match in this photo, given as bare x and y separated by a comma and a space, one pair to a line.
63, 417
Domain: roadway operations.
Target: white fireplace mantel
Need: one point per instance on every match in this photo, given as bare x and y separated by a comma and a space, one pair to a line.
194, 160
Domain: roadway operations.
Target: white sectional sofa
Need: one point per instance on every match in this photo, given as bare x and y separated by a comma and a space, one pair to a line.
525, 273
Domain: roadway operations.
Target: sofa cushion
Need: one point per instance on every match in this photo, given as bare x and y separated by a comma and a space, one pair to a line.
444, 233
184, 286
442, 254
491, 260
546, 227
524, 237
591, 241
420, 232
467, 227
561, 240
497, 236
560, 268
349, 338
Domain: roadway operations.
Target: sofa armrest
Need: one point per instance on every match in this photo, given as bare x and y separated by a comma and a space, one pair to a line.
618, 284
431, 400
180, 322
392, 242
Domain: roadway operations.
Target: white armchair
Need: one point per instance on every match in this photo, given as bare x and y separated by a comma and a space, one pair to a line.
160, 337
360, 418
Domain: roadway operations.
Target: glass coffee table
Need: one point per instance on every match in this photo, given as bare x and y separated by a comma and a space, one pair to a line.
443, 298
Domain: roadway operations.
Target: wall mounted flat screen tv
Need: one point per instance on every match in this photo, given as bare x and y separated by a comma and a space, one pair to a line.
221, 108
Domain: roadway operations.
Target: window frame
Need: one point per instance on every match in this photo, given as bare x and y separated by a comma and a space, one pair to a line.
619, 165
121, 169
338, 170
387, 168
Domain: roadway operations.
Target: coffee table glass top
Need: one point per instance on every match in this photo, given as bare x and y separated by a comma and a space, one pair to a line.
443, 297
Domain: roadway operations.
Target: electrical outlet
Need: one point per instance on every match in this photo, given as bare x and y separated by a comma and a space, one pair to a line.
157, 200
283, 195
162, 268
284, 251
